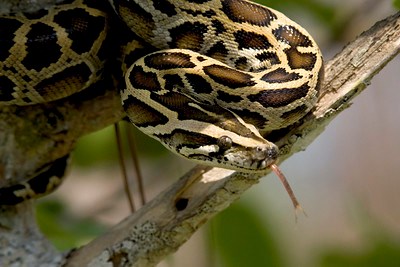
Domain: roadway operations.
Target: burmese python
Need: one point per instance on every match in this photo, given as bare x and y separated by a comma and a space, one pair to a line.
224, 72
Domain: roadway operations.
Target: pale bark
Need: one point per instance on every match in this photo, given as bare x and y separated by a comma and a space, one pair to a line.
32, 136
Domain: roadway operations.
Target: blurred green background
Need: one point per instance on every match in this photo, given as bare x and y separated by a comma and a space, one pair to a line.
347, 180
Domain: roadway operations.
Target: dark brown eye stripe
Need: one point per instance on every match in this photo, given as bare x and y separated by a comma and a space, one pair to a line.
243, 11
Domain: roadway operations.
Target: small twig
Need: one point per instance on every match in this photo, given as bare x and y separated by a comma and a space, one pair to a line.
123, 167
136, 165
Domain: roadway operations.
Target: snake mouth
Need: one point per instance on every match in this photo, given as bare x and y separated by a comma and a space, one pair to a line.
255, 159
264, 156
247, 160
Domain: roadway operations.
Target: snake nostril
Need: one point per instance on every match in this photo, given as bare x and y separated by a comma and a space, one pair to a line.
272, 153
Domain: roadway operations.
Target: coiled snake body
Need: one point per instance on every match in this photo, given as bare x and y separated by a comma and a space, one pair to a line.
224, 73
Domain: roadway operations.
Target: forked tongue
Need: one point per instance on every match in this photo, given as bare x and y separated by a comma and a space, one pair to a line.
284, 181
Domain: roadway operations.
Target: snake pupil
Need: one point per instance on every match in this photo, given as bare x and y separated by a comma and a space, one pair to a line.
224, 143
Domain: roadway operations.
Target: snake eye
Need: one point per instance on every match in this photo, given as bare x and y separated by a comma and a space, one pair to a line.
224, 143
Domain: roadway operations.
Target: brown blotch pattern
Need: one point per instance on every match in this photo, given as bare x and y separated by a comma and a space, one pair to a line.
83, 29
251, 117
228, 98
62, 84
218, 51
199, 84
246, 39
279, 97
218, 26
241, 63
165, 7
279, 76
295, 112
135, 17
6, 89
299, 60
179, 103
271, 57
7, 36
291, 36
141, 114
166, 60
42, 40
228, 76
244, 11
173, 81
189, 35
195, 13
220, 117
144, 80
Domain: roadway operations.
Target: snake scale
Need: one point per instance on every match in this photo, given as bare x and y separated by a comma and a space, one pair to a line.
221, 74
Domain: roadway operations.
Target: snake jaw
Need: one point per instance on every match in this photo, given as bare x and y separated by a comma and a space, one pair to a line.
253, 159
235, 156
265, 156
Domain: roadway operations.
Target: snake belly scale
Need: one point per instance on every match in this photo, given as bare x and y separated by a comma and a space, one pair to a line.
224, 72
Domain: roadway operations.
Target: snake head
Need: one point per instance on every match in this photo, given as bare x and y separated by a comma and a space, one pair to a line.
230, 152
244, 157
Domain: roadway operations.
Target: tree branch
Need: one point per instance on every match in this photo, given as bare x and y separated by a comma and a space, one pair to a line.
166, 222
